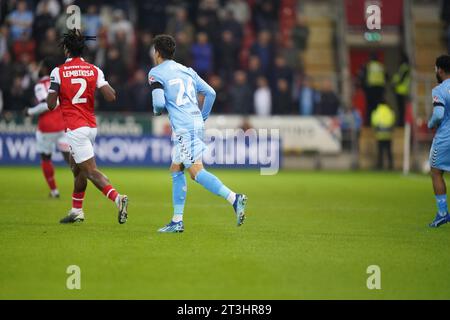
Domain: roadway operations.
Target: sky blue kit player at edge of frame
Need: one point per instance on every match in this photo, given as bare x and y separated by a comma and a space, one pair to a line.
440, 148
175, 88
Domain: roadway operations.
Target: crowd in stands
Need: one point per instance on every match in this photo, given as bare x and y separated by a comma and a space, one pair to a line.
264, 77
445, 17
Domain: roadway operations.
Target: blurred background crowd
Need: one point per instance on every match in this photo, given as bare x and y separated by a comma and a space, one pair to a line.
263, 57
235, 45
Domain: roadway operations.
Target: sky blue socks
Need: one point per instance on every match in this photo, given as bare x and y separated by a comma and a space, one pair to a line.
441, 202
179, 190
207, 180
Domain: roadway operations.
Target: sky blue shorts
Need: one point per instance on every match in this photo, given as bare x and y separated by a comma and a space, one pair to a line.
188, 147
440, 154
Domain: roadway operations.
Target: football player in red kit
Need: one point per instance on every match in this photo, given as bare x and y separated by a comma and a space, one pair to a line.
50, 132
75, 83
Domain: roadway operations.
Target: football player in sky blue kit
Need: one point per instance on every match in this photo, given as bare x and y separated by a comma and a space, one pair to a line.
440, 149
175, 88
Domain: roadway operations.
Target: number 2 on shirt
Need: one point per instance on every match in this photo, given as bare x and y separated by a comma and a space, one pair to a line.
83, 84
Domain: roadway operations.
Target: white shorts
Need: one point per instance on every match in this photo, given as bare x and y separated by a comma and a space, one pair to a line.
49, 142
81, 143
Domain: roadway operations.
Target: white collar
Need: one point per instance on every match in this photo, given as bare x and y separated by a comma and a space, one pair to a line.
70, 59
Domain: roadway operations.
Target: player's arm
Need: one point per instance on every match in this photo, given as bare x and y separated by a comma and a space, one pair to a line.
105, 88
108, 93
53, 91
157, 92
209, 96
41, 96
438, 110
158, 98
52, 100
37, 109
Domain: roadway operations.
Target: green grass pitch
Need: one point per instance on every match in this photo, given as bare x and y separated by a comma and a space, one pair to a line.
308, 235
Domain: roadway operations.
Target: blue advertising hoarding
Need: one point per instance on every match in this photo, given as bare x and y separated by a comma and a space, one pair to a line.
148, 150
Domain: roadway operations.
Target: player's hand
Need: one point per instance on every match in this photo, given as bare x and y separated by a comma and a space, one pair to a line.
432, 126
157, 112
25, 113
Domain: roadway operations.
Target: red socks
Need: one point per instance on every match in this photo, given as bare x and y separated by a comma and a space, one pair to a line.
49, 173
78, 197
77, 200
110, 192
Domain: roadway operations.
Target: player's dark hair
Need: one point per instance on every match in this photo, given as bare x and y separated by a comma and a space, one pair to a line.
74, 42
443, 62
165, 45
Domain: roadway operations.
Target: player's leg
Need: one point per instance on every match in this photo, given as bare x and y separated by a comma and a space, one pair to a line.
45, 145
89, 168
440, 192
214, 185
76, 214
81, 142
179, 191
66, 157
48, 144
210, 182
63, 147
49, 174
439, 186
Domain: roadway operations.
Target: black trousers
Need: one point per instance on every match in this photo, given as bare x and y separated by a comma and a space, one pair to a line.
401, 100
374, 95
384, 147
